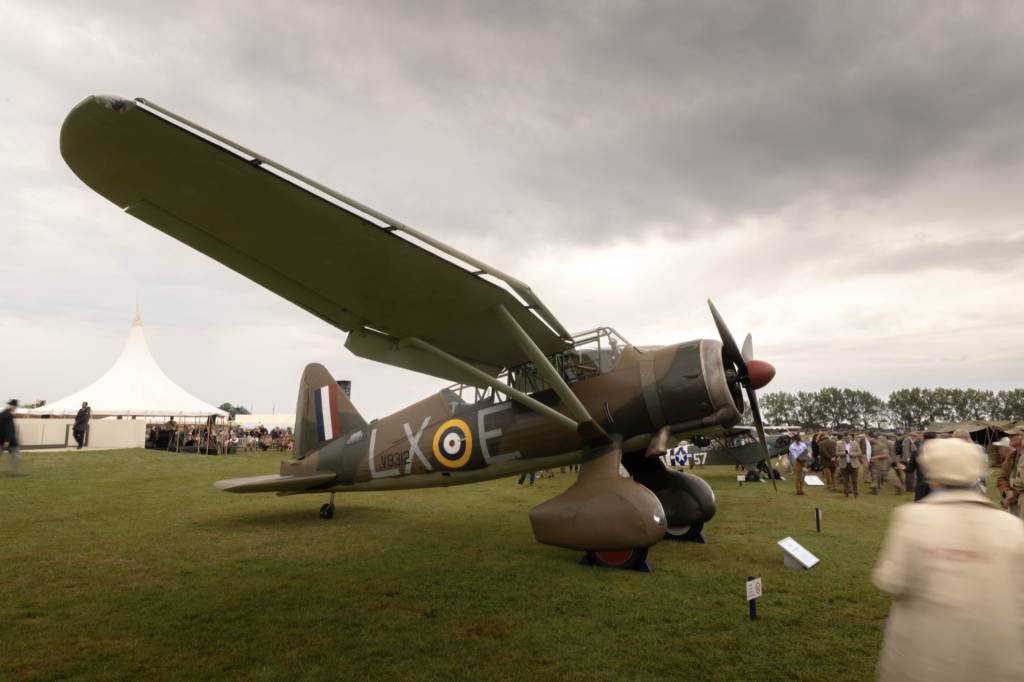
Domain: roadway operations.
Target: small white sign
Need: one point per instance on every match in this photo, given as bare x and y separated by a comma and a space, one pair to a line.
813, 480
795, 556
754, 589
741, 478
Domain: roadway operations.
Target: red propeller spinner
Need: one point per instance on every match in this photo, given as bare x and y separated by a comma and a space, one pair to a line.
760, 372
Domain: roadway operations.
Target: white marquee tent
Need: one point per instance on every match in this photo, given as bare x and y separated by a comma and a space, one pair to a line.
249, 421
133, 386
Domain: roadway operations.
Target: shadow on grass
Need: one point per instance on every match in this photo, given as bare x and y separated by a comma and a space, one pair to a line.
295, 517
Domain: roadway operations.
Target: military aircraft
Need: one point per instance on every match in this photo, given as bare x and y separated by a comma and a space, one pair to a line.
528, 394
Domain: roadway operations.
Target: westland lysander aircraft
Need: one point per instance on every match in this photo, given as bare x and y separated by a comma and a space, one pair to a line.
528, 394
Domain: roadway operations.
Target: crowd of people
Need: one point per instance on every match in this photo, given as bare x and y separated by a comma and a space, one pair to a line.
220, 439
847, 461
950, 564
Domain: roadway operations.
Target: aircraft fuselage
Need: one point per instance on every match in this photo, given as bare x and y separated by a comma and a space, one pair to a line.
442, 441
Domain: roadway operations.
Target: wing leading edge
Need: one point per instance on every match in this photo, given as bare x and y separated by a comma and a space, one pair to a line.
334, 261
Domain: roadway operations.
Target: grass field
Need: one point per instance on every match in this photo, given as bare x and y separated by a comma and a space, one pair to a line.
129, 565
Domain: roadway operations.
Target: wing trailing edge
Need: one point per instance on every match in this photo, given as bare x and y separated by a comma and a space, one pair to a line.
275, 483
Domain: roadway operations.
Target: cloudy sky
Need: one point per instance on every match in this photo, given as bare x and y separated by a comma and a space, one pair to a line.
843, 179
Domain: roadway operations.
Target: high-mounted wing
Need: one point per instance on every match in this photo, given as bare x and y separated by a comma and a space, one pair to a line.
347, 264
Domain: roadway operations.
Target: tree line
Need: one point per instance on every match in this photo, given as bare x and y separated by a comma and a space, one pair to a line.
233, 409
906, 408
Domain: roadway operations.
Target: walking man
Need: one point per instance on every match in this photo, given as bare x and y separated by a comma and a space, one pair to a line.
81, 427
9, 437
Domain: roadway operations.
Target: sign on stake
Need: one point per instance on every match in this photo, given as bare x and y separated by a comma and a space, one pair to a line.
754, 590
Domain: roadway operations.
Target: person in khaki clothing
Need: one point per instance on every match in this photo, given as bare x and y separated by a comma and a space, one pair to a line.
1011, 476
827, 459
881, 463
953, 567
800, 456
848, 460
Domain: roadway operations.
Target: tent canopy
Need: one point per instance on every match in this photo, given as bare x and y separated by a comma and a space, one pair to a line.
134, 386
998, 428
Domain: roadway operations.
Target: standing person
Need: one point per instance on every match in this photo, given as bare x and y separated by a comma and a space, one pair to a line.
9, 437
81, 426
880, 465
911, 445
522, 478
921, 488
1011, 476
864, 442
965, 436
952, 565
827, 459
849, 456
799, 455
901, 454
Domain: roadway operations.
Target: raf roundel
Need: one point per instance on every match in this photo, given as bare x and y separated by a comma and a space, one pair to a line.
453, 443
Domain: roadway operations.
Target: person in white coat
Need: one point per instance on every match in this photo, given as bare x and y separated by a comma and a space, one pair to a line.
953, 565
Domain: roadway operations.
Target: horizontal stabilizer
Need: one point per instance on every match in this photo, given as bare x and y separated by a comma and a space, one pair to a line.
274, 483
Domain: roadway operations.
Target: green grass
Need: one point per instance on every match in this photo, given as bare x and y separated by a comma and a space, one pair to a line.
129, 565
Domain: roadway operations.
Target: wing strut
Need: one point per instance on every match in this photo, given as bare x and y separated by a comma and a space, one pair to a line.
488, 380
556, 382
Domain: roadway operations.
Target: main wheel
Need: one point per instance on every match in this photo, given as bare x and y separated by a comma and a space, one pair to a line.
626, 558
684, 533
327, 511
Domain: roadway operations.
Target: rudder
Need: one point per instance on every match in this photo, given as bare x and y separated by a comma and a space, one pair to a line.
323, 411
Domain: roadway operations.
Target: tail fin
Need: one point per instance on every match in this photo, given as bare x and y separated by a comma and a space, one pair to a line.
323, 411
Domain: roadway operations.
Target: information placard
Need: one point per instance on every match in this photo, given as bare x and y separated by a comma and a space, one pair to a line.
754, 589
795, 555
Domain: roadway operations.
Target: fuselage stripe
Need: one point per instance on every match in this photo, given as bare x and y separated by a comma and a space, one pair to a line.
333, 418
325, 400
319, 413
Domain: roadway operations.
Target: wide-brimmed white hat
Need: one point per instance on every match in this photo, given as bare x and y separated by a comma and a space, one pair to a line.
953, 462
1003, 442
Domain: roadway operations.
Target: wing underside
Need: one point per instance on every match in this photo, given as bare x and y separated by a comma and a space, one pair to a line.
348, 268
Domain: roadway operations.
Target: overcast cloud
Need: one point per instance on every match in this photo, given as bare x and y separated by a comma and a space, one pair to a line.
842, 178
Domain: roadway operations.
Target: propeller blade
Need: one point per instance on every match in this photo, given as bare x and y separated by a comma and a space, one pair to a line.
732, 351
747, 351
733, 354
755, 411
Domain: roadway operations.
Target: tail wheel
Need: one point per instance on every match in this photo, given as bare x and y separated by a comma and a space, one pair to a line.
684, 533
625, 559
